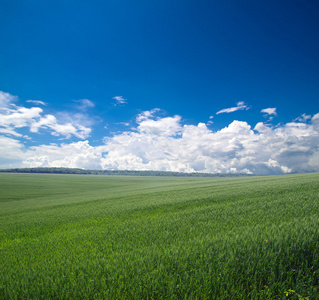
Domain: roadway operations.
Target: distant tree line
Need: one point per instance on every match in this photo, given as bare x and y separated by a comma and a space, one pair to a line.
114, 172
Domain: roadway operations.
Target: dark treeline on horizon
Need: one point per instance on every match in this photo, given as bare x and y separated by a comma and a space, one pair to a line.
114, 172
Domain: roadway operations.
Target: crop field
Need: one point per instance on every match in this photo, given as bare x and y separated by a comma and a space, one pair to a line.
125, 237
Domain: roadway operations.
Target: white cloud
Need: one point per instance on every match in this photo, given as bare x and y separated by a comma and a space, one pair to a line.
119, 100
10, 131
146, 114
84, 104
166, 144
267, 150
240, 106
19, 117
161, 143
67, 129
37, 102
11, 153
210, 122
6, 99
163, 126
123, 123
70, 124
13, 117
303, 118
269, 111
73, 155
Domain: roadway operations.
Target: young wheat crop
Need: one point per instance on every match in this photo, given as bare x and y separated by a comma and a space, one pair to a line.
116, 237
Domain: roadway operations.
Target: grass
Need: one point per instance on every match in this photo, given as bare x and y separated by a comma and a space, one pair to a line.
113, 237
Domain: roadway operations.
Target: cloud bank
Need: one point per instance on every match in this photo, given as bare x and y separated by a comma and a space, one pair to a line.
160, 142
166, 144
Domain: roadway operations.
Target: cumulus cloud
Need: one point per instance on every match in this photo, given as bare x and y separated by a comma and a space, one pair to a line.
148, 114
67, 129
73, 155
119, 100
269, 111
163, 143
240, 106
169, 126
13, 117
20, 117
159, 142
36, 102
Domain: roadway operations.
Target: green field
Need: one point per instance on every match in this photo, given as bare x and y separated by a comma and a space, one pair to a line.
121, 237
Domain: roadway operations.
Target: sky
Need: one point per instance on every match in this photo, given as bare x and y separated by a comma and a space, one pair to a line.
188, 86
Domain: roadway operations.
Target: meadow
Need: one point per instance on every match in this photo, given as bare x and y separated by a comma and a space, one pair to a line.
126, 237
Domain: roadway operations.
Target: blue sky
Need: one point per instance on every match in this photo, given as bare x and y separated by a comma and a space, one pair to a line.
123, 83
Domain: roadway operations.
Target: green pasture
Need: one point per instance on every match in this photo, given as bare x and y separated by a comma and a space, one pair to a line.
123, 237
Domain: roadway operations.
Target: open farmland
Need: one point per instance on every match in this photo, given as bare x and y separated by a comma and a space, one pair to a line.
120, 237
